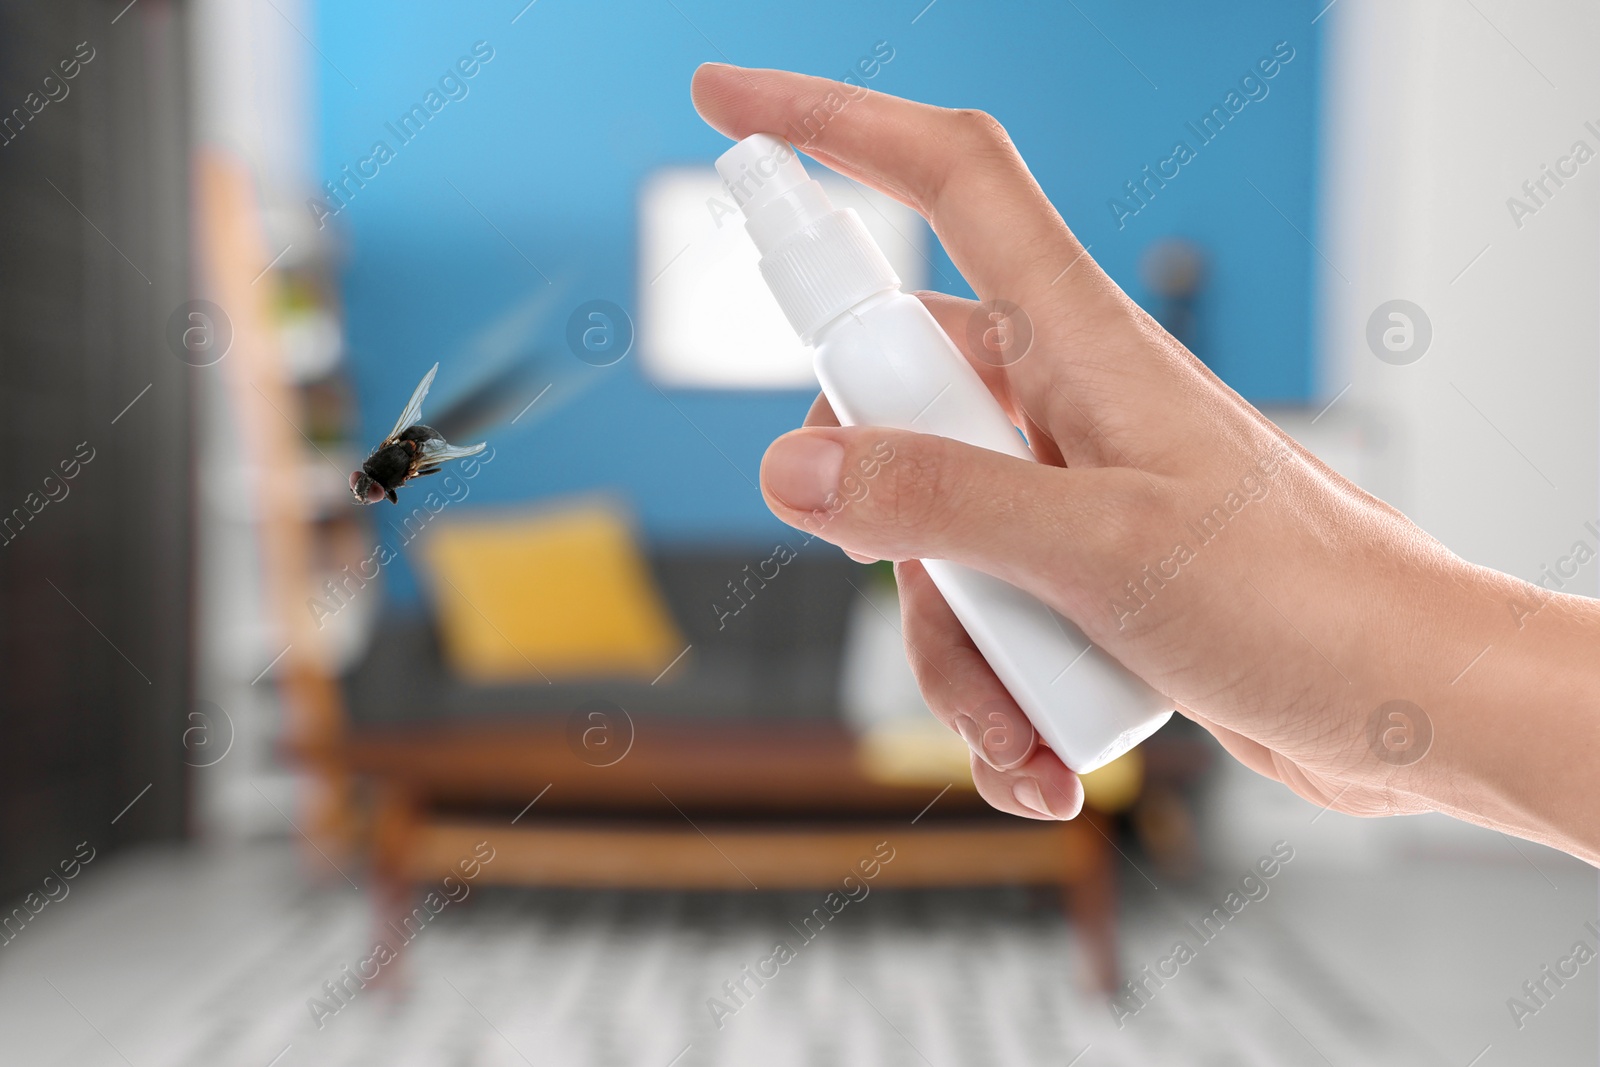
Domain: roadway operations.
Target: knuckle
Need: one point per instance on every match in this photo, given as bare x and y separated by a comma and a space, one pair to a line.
1122, 532
1130, 517
972, 141
1138, 508
981, 130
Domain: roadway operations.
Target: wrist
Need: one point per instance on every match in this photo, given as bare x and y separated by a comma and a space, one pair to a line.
1515, 712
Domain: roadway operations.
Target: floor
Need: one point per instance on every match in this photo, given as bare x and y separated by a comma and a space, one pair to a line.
217, 958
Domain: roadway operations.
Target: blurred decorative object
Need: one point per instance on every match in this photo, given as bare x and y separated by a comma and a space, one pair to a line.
900, 742
561, 592
706, 319
876, 686
1175, 270
308, 326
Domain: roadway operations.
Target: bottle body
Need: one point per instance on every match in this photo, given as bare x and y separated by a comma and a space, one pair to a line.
883, 361
886, 362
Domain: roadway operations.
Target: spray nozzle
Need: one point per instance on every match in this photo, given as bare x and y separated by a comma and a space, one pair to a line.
818, 261
760, 169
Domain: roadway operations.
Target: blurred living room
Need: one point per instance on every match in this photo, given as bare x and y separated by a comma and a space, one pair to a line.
577, 754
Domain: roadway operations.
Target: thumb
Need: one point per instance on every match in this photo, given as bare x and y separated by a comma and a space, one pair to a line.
894, 494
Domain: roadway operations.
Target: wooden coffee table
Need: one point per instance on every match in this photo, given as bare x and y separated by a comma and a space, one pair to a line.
704, 805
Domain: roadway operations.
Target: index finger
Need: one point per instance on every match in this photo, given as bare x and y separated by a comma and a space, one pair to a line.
958, 168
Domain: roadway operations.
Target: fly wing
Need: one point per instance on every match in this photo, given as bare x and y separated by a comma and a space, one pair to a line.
438, 450
413, 412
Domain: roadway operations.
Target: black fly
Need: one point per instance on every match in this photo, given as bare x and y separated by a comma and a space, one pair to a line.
410, 451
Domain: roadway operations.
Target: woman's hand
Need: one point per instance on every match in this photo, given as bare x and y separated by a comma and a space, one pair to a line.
1281, 607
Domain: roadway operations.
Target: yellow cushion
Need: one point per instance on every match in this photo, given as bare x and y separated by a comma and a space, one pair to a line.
920, 751
552, 594
1116, 785
924, 752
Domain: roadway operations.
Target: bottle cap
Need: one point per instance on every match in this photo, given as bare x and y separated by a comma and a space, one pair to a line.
818, 261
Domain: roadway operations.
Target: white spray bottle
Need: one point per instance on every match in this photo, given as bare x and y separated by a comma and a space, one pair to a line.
883, 360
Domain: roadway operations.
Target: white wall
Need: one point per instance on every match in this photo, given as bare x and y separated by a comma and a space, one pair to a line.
1436, 112
1432, 119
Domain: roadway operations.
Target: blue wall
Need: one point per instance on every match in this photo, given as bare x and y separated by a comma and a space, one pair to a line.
582, 100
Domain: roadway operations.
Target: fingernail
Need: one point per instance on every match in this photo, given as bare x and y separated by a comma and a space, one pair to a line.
1030, 796
802, 470
1062, 805
975, 739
